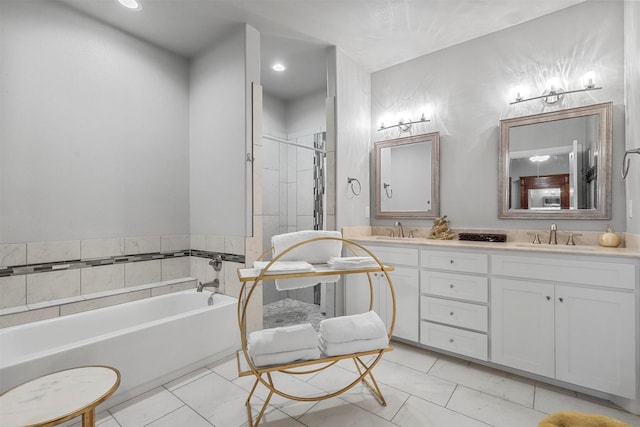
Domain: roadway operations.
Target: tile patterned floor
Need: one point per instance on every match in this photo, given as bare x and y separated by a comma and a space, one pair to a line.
422, 389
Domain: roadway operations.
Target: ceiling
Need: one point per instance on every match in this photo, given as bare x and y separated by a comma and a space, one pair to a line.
377, 34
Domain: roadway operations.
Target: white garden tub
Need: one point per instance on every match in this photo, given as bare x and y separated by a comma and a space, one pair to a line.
151, 341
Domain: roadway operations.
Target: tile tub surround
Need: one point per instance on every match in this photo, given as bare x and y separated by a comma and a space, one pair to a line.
99, 270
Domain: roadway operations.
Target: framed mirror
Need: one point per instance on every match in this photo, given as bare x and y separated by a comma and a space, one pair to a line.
407, 177
557, 164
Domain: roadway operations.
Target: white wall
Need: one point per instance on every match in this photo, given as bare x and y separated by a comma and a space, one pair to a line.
94, 129
468, 88
353, 140
632, 101
306, 115
218, 137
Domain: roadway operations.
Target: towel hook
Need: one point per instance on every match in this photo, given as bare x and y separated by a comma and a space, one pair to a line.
350, 181
626, 162
387, 188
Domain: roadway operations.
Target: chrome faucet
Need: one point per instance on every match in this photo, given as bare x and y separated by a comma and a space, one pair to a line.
400, 229
215, 284
216, 263
552, 235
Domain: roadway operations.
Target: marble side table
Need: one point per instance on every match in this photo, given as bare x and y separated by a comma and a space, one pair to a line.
58, 397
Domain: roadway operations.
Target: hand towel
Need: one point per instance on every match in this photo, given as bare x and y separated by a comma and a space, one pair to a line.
354, 262
354, 327
356, 346
284, 267
277, 340
286, 357
316, 252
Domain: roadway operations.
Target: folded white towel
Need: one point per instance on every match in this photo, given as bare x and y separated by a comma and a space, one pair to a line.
353, 262
277, 340
316, 252
356, 346
283, 267
361, 326
286, 357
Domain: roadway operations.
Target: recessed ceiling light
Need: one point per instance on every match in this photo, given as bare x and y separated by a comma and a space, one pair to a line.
279, 67
131, 4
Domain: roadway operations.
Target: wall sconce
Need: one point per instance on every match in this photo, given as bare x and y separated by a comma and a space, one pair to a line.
555, 93
404, 126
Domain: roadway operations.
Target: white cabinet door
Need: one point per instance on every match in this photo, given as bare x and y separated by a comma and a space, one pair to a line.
522, 325
405, 283
595, 339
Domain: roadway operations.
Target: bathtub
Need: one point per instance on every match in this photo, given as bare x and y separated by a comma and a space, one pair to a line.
151, 341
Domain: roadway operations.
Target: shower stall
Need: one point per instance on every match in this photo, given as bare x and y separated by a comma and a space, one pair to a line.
293, 180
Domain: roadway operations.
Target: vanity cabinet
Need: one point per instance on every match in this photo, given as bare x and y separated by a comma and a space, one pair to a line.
453, 302
569, 319
405, 280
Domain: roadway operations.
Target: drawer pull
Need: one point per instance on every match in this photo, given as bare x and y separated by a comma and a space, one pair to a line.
451, 340
548, 298
450, 285
451, 313
451, 261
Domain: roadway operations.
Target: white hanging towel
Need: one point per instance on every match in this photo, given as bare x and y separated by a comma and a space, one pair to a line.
315, 253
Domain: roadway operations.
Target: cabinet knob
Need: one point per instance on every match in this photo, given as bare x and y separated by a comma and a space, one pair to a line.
450, 261
548, 298
561, 299
450, 285
451, 340
451, 313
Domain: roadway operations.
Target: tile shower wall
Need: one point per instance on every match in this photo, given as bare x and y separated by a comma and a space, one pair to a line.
46, 279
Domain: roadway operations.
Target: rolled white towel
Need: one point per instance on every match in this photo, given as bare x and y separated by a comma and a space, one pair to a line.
278, 340
286, 357
356, 346
316, 252
361, 326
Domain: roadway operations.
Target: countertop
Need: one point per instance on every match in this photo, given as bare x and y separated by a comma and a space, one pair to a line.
508, 246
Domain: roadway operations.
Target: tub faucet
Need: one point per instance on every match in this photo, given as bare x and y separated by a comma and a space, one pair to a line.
552, 235
215, 284
400, 229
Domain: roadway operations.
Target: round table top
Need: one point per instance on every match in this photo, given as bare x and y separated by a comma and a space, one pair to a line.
58, 395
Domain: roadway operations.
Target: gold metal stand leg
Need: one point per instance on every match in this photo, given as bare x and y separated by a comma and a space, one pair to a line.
264, 407
373, 386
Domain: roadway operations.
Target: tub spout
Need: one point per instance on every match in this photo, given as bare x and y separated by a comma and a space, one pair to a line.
215, 284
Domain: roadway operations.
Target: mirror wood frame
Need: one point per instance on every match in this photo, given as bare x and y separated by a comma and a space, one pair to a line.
434, 138
605, 130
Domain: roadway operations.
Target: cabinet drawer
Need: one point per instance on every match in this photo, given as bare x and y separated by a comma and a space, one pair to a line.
559, 269
454, 313
460, 286
473, 344
389, 255
454, 261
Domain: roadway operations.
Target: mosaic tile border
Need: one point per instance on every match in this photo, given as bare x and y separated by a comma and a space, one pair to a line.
118, 259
